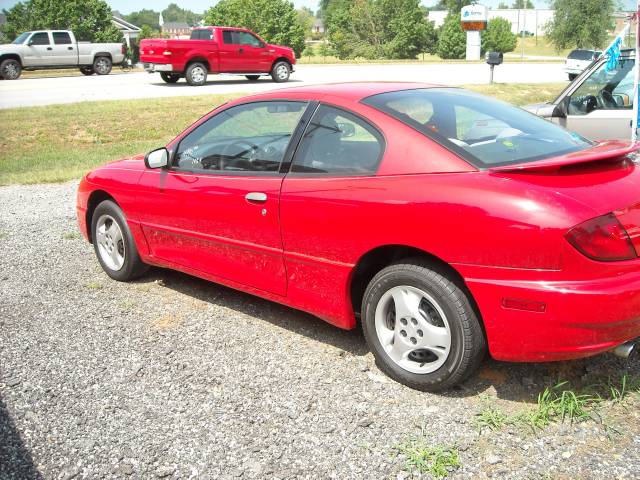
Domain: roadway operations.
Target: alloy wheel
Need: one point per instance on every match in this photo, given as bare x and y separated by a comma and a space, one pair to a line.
110, 241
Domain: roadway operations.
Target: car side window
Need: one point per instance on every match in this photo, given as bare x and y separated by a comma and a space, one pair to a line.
227, 37
41, 38
251, 137
245, 38
605, 90
61, 38
339, 143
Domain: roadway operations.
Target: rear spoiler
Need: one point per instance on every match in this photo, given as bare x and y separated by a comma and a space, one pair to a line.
603, 151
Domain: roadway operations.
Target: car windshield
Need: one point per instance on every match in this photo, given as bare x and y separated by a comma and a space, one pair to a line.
21, 38
485, 132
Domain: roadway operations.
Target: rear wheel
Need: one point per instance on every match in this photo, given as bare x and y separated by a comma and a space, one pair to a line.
87, 70
170, 77
10, 69
421, 327
113, 243
572, 77
102, 65
252, 78
280, 72
196, 74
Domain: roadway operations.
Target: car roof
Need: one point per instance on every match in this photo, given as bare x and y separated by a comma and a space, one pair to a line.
354, 91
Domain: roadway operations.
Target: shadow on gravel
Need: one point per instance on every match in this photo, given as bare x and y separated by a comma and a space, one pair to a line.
15, 459
279, 315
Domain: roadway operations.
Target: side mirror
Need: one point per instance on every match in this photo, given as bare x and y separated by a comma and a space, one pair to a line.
561, 110
347, 129
157, 158
30, 43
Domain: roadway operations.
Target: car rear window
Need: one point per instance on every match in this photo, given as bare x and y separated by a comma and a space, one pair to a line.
485, 132
202, 34
581, 55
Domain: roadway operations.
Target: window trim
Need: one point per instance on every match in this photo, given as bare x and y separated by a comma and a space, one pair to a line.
40, 44
53, 37
377, 129
288, 154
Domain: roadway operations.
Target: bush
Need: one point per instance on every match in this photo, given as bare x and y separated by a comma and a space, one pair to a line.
498, 37
452, 41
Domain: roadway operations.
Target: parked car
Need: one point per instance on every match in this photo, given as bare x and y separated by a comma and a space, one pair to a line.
598, 104
578, 60
447, 222
45, 49
235, 51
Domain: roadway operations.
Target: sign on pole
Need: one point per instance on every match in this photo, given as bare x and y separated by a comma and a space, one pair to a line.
474, 20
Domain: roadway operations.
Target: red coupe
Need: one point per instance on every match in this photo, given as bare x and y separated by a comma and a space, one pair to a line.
445, 221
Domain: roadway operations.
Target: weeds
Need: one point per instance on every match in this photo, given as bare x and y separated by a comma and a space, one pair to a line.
70, 235
437, 461
490, 419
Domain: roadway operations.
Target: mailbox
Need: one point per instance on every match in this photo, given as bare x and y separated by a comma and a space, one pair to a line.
494, 58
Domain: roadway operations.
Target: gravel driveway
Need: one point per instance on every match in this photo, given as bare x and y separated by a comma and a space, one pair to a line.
175, 377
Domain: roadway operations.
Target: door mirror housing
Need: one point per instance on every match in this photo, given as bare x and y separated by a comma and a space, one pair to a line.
157, 158
561, 110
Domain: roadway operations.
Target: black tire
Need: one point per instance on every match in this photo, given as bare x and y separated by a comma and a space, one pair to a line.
87, 71
572, 77
170, 77
196, 74
278, 72
10, 69
132, 267
252, 78
102, 65
468, 345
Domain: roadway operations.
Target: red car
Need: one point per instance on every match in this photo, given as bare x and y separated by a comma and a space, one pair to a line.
445, 221
235, 51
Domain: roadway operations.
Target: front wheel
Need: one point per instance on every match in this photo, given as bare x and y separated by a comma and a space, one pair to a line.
87, 70
102, 65
10, 69
280, 72
196, 74
170, 77
421, 327
113, 243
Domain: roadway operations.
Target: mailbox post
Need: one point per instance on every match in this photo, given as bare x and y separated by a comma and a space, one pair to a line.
493, 59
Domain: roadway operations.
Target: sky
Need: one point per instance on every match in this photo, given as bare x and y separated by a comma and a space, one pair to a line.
199, 6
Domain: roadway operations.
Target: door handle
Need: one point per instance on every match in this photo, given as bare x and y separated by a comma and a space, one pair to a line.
49, 48
69, 48
240, 50
256, 197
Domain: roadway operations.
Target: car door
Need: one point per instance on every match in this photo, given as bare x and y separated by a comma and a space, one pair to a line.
216, 210
39, 49
253, 54
64, 51
601, 108
231, 59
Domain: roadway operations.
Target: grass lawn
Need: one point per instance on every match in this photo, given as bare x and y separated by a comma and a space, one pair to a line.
61, 142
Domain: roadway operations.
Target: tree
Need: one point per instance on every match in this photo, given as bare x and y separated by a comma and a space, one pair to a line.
498, 36
90, 20
503, 6
453, 6
274, 20
144, 17
325, 50
520, 4
306, 19
173, 13
147, 32
452, 41
580, 23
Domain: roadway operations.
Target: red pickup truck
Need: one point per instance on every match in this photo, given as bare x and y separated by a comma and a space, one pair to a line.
228, 50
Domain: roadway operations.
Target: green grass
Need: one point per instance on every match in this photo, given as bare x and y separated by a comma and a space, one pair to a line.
61, 142
71, 235
490, 419
438, 461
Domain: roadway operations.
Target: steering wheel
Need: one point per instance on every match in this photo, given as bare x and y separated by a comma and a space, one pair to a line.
245, 147
607, 99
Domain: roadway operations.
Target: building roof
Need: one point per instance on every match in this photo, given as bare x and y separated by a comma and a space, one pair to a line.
176, 26
123, 25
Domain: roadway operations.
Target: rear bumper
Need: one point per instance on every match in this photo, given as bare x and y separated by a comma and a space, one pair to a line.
580, 318
158, 67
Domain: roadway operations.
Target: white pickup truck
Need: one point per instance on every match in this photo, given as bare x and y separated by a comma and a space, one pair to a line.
46, 49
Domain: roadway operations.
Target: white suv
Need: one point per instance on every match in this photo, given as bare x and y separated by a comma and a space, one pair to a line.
578, 61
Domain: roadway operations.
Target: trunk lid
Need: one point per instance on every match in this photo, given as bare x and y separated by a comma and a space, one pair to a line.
603, 178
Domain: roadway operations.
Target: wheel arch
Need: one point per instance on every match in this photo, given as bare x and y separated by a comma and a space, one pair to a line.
102, 54
381, 257
11, 56
197, 59
281, 59
95, 199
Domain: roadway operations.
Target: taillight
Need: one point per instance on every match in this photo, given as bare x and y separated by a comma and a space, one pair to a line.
602, 238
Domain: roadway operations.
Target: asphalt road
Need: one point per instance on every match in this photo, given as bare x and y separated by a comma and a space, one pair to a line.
50, 90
